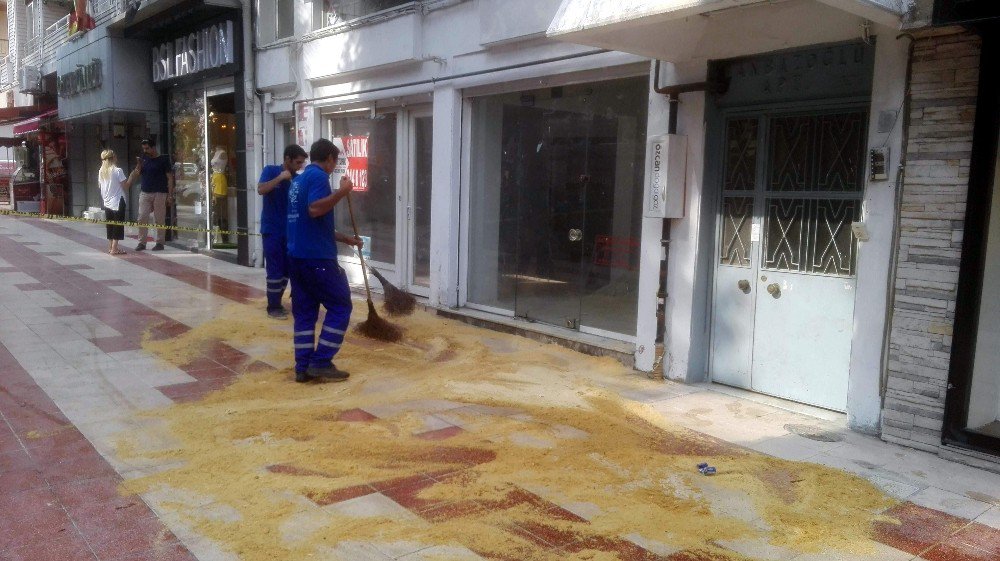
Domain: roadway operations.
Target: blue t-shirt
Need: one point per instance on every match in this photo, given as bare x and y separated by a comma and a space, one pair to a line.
274, 213
310, 238
154, 173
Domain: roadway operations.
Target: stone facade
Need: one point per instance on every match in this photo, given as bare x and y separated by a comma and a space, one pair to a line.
942, 114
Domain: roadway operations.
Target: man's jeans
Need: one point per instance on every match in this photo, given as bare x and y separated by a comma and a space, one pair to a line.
155, 204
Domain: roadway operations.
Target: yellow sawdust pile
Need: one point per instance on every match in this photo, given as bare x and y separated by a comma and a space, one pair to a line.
258, 467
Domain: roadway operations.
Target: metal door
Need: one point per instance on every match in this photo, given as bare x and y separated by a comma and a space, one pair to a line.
785, 282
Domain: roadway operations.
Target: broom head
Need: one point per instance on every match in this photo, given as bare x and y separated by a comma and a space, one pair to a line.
397, 302
377, 328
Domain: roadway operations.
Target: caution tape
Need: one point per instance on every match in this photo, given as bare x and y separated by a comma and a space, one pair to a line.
128, 224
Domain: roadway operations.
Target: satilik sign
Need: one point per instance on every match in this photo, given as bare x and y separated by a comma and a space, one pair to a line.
353, 160
196, 52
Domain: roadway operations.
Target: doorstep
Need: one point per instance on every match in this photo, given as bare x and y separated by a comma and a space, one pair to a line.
585, 343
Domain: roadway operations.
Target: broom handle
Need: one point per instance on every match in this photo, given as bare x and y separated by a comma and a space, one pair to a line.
364, 269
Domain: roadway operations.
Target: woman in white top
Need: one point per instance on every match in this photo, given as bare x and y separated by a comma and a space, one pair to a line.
113, 186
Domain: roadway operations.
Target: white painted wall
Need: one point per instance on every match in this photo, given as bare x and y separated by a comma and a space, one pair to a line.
864, 402
446, 170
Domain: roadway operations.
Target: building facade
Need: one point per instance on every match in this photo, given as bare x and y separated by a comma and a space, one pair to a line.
168, 70
505, 158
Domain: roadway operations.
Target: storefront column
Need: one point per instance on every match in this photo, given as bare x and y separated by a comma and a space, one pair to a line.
686, 339
445, 196
875, 255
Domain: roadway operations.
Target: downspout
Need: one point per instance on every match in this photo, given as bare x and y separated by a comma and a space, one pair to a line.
673, 99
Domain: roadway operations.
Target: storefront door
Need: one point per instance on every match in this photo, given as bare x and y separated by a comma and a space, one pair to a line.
418, 203
220, 153
785, 276
555, 204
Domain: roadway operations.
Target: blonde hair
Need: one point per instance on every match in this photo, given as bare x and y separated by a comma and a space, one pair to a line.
107, 165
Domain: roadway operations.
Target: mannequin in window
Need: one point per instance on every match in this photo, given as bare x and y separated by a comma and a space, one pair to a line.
220, 192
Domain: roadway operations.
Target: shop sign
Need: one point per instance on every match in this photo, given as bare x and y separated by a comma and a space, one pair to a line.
666, 170
86, 77
354, 160
813, 73
203, 50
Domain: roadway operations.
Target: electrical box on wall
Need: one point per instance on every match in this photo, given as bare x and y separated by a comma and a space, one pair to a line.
666, 172
878, 169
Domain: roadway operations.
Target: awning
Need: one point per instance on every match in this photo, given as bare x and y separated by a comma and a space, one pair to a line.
31, 125
14, 114
659, 28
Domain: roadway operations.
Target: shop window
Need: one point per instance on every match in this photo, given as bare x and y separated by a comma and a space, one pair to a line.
276, 20
285, 19
984, 397
29, 17
368, 146
339, 11
556, 203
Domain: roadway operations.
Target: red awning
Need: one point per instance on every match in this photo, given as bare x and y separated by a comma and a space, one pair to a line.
31, 125
14, 114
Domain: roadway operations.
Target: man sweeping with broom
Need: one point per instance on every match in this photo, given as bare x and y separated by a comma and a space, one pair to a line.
315, 276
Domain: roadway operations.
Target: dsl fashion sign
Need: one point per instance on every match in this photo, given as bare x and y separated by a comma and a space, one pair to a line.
209, 48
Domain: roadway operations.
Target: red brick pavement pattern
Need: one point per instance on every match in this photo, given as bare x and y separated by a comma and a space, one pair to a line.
58, 496
62, 495
199, 279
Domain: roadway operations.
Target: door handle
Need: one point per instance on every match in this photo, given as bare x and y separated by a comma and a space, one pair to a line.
744, 285
575, 235
773, 289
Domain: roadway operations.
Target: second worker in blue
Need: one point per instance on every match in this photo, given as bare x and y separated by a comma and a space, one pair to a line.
316, 277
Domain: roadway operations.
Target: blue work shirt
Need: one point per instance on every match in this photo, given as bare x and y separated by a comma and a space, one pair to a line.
274, 213
310, 238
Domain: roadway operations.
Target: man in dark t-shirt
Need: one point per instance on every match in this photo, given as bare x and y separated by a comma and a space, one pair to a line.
157, 192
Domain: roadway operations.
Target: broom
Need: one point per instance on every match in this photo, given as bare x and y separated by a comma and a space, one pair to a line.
373, 327
397, 302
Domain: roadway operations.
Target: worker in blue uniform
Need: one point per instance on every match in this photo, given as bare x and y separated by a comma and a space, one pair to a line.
273, 185
315, 276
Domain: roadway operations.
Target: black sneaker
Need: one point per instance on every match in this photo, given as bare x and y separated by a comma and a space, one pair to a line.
158, 247
141, 246
303, 377
327, 373
278, 313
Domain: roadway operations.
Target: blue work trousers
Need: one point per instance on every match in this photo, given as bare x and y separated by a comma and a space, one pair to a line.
315, 282
276, 267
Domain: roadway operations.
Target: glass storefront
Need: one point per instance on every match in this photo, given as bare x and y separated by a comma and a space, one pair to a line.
187, 149
369, 145
221, 135
984, 397
421, 200
556, 203
203, 149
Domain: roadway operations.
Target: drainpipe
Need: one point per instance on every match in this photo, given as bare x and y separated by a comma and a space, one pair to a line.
673, 99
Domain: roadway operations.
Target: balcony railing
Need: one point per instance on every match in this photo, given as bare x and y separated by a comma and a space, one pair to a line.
6, 74
55, 35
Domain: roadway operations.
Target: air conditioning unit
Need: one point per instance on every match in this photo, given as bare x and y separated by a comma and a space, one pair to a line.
29, 80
